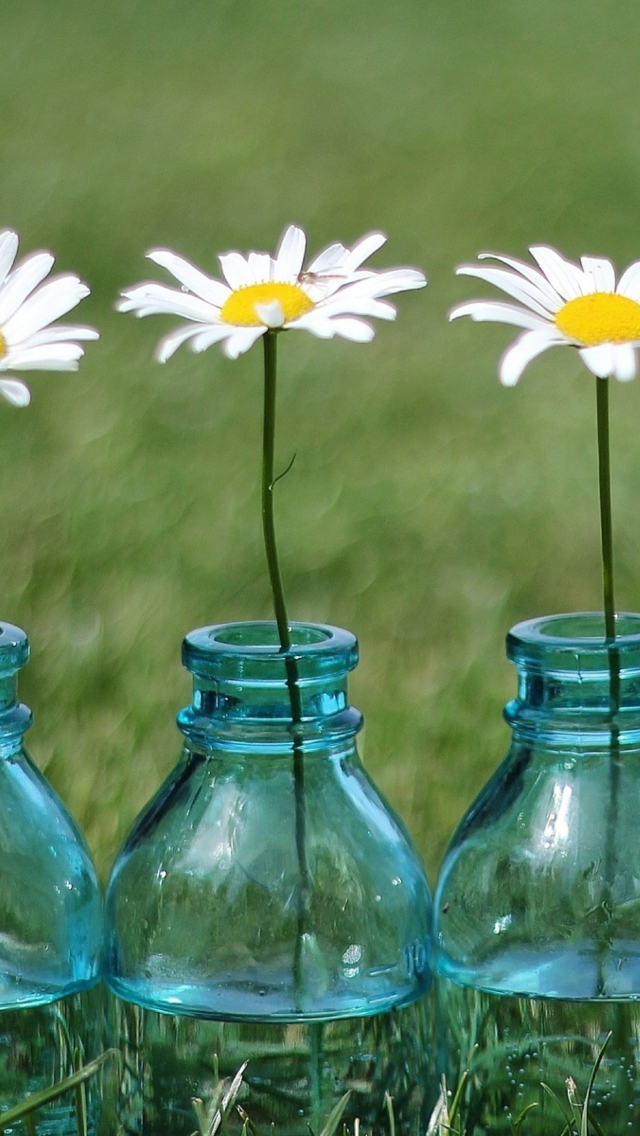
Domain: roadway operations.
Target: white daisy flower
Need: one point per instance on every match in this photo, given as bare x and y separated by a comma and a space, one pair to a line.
27, 308
262, 292
563, 304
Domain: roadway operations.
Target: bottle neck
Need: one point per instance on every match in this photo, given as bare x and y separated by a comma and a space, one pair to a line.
242, 688
15, 717
574, 686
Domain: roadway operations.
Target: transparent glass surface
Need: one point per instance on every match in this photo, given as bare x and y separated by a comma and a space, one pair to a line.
202, 906
537, 911
50, 923
296, 1071
42, 1044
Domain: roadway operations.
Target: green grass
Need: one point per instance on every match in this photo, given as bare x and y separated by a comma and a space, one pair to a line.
428, 508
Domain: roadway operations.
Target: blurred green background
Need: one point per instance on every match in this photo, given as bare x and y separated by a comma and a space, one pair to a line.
428, 508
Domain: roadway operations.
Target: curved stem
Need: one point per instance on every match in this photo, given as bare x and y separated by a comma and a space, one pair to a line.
268, 523
284, 634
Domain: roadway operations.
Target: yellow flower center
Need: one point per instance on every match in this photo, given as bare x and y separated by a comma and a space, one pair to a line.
601, 317
3, 346
240, 307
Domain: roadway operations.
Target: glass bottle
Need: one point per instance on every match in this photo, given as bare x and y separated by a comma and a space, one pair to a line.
51, 1009
211, 957
537, 911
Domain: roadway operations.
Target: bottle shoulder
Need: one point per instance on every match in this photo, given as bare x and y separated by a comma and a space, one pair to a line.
35, 821
253, 798
50, 901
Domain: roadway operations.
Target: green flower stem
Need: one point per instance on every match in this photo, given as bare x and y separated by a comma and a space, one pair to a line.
604, 483
284, 634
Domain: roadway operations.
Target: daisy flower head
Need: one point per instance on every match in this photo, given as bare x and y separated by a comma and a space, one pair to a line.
29, 339
562, 303
333, 295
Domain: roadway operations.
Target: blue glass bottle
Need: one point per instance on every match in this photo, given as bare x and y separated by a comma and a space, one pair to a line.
206, 950
51, 1009
537, 911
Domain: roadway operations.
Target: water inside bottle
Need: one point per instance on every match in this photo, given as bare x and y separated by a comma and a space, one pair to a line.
295, 1075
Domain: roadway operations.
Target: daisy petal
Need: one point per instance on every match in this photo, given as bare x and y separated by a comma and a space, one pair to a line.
213, 291
493, 312
361, 251
241, 340
44, 306
533, 275
15, 392
377, 284
526, 348
523, 290
22, 281
48, 357
329, 259
317, 323
210, 336
335, 289
624, 362
290, 254
271, 313
629, 283
171, 342
59, 333
354, 329
600, 273
8, 252
600, 360
342, 304
608, 317
395, 280
565, 277
261, 265
28, 307
235, 270
157, 299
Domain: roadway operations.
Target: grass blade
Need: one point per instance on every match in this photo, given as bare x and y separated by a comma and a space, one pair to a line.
517, 1124
81, 1099
335, 1116
33, 1103
568, 1120
388, 1104
457, 1100
439, 1121
584, 1126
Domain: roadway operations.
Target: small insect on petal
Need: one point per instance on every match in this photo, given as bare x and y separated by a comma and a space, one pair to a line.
263, 292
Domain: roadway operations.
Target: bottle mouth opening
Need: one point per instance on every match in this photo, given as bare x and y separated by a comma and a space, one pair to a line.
575, 641
577, 627
249, 649
263, 636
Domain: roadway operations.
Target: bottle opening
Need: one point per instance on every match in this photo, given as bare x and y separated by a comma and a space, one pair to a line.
575, 642
265, 634
575, 628
251, 651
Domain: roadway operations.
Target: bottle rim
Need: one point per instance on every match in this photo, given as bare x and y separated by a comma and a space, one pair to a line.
575, 639
14, 648
235, 650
